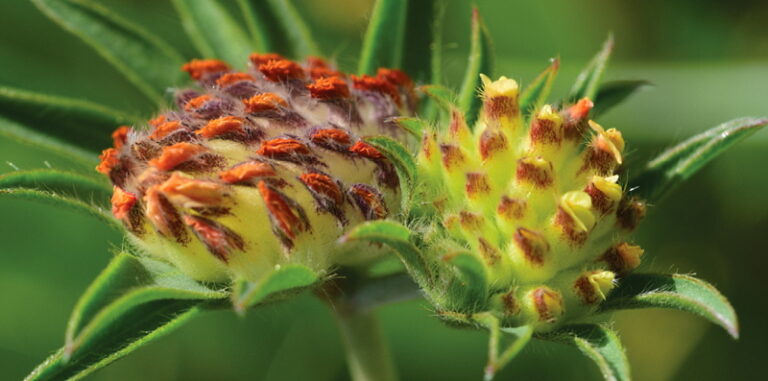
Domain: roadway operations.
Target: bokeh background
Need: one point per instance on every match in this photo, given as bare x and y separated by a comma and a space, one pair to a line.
707, 59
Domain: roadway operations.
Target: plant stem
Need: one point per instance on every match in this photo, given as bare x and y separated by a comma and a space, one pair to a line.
368, 357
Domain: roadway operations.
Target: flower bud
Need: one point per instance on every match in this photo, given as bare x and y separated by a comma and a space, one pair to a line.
593, 286
259, 168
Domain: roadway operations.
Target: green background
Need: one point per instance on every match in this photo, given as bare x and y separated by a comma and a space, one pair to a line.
708, 61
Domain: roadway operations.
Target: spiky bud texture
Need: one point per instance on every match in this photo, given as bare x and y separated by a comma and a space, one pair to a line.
254, 169
537, 200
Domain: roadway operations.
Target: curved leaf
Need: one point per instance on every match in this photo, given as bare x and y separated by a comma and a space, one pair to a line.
296, 30
414, 126
421, 18
85, 124
480, 62
144, 59
613, 93
442, 96
397, 237
680, 162
214, 32
28, 136
600, 344
285, 278
63, 202
429, 108
276, 25
403, 162
257, 25
676, 291
588, 81
64, 183
384, 40
538, 90
132, 302
521, 336
471, 286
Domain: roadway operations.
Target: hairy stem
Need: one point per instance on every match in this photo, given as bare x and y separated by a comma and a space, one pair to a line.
368, 357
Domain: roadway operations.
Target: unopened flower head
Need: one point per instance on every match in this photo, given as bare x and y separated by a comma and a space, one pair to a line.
258, 168
536, 199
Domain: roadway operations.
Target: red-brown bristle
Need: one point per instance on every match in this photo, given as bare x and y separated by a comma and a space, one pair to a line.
281, 70
221, 126
329, 88
264, 102
199, 68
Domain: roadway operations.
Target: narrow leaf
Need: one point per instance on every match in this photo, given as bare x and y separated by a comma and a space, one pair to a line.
600, 344
214, 32
285, 278
144, 59
132, 302
480, 62
383, 45
56, 368
257, 26
62, 202
403, 162
277, 26
680, 162
419, 27
613, 93
85, 124
443, 96
64, 183
429, 108
414, 126
28, 136
676, 291
397, 237
535, 95
295, 28
588, 81
471, 285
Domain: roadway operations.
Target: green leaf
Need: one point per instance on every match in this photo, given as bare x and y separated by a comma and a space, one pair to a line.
588, 81
144, 59
62, 202
414, 126
470, 290
285, 278
480, 62
521, 336
22, 134
277, 26
214, 32
429, 108
600, 344
615, 92
132, 302
676, 291
397, 237
444, 97
84, 124
384, 40
419, 27
257, 25
295, 28
63, 183
535, 95
403, 162
680, 162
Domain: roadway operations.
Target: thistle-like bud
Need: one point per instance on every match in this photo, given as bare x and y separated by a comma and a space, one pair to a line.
258, 168
545, 214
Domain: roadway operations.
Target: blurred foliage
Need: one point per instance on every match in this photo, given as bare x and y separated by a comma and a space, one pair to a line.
708, 61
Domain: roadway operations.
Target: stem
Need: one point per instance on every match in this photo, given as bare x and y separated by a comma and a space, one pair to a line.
368, 357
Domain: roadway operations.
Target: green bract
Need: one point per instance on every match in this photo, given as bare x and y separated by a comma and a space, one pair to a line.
269, 176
